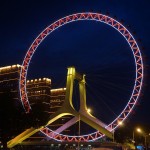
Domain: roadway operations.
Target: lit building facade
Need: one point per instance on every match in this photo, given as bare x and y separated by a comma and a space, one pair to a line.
9, 83
56, 101
43, 100
38, 91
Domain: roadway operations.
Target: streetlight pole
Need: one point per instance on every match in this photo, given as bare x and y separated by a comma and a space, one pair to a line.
113, 135
79, 134
120, 124
144, 134
133, 136
133, 139
138, 130
145, 140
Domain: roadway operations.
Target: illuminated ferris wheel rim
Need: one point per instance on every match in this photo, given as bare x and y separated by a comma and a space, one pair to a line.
95, 17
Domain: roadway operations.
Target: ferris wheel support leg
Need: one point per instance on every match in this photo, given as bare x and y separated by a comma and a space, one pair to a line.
21, 137
83, 107
68, 108
84, 115
67, 125
64, 127
29, 132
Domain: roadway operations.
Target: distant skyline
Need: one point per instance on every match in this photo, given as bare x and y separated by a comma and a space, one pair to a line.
94, 49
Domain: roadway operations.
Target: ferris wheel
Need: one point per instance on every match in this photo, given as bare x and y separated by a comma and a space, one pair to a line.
137, 81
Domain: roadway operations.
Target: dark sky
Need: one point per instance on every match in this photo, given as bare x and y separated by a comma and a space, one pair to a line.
93, 48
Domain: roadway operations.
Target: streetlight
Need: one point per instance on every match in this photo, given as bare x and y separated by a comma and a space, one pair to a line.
138, 130
120, 123
144, 134
88, 110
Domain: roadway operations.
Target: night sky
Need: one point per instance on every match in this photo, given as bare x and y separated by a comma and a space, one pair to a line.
93, 48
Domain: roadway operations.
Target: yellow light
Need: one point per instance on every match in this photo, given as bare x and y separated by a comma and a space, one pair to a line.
7, 67
59, 89
120, 123
13, 66
18, 65
88, 110
47, 79
139, 130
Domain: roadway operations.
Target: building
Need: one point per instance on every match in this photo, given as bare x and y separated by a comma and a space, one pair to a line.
56, 101
9, 83
44, 101
38, 91
38, 94
10, 105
